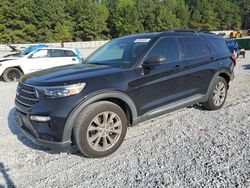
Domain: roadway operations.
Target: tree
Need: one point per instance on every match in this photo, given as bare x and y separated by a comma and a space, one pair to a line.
90, 19
17, 21
244, 6
147, 12
182, 14
50, 18
227, 19
203, 16
166, 18
126, 18
30, 21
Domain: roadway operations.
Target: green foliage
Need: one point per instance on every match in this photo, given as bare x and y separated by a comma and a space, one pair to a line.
26, 21
90, 19
126, 18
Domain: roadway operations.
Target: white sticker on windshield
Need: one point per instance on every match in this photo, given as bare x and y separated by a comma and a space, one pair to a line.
142, 40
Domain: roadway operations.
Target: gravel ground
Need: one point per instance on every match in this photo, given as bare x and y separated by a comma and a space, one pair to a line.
190, 147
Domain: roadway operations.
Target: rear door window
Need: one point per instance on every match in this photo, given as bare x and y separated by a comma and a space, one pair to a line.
57, 53
167, 48
194, 47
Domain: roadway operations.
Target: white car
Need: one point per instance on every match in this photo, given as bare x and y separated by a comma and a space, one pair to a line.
11, 69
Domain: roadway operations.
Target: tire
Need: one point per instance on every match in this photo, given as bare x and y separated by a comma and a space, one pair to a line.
12, 75
91, 137
217, 95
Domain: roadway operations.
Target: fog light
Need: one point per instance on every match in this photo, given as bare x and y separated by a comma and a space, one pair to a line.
40, 118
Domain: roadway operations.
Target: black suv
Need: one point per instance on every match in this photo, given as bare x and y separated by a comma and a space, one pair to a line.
129, 80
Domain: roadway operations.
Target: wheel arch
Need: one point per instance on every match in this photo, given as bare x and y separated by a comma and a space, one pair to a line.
119, 98
17, 67
224, 73
225, 76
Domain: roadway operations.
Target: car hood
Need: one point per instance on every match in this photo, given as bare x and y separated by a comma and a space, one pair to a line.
7, 59
66, 75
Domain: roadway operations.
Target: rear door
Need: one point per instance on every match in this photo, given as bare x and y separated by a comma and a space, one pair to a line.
61, 57
71, 57
198, 58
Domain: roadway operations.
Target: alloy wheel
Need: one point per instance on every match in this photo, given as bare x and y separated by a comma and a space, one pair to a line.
219, 93
104, 131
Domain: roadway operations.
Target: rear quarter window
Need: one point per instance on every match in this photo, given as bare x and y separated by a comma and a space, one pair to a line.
219, 45
194, 47
70, 53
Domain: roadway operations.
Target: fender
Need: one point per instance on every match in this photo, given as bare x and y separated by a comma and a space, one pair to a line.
100, 95
222, 70
9, 63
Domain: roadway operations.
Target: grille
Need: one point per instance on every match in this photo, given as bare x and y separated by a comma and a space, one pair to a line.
26, 95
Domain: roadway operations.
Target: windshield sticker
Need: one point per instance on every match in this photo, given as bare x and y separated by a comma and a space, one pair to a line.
142, 40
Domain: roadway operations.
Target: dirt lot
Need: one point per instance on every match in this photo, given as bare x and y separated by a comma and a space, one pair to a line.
187, 148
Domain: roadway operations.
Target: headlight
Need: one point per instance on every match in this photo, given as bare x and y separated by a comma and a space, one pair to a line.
59, 91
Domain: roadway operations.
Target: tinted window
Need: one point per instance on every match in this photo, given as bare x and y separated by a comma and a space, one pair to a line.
220, 45
57, 53
168, 48
69, 53
194, 47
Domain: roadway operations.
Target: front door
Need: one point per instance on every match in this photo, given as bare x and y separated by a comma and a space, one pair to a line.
37, 61
162, 84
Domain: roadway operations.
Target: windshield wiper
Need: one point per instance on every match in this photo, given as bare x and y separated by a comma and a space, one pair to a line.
97, 63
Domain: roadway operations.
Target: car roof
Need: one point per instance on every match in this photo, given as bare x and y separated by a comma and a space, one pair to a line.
173, 33
58, 48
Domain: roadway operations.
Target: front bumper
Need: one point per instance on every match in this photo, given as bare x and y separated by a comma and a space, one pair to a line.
40, 134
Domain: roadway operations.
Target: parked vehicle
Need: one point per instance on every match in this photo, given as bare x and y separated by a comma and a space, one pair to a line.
17, 53
129, 80
13, 68
234, 48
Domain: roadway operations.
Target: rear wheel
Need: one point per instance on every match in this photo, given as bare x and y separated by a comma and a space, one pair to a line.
12, 75
100, 129
217, 95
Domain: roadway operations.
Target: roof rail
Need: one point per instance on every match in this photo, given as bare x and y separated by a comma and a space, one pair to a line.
190, 31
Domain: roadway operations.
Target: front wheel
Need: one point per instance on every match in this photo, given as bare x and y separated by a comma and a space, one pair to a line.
100, 129
12, 75
217, 95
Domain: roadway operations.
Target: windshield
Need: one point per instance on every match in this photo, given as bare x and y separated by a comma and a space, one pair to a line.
121, 52
33, 48
24, 52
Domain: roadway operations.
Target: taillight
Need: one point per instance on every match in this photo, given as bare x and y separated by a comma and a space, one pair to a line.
233, 58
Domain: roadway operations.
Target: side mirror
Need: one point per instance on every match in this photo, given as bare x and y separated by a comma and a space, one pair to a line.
154, 60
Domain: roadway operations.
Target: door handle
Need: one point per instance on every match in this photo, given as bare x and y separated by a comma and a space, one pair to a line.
73, 59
